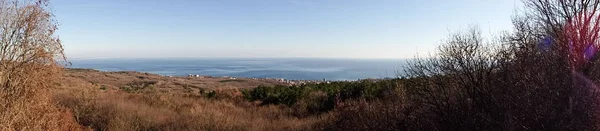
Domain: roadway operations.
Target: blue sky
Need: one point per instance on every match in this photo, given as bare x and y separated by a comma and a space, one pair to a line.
269, 28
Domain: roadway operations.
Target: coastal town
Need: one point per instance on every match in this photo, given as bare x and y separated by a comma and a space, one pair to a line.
281, 80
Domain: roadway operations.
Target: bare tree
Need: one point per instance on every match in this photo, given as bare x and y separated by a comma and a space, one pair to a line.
456, 83
542, 76
573, 24
30, 61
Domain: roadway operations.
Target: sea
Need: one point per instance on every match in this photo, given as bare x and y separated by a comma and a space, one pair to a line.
286, 68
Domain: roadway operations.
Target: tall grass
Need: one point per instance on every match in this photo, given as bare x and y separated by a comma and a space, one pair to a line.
117, 110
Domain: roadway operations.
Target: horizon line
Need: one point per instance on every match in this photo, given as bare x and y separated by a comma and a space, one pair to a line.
359, 58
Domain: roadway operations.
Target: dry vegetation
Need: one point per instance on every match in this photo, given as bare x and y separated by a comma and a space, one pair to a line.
514, 83
28, 67
137, 81
166, 104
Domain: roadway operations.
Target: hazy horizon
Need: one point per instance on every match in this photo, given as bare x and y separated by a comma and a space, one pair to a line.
293, 68
258, 58
269, 28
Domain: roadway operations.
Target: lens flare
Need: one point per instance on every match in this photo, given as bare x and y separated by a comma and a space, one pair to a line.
582, 33
590, 52
546, 43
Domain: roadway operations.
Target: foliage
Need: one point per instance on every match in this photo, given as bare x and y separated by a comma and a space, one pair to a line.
231, 80
211, 94
103, 87
318, 98
137, 86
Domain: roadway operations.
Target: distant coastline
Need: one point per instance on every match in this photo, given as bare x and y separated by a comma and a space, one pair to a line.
289, 69
232, 78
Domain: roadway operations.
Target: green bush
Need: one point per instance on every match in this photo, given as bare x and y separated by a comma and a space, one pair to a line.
201, 91
137, 86
231, 80
317, 98
211, 94
103, 87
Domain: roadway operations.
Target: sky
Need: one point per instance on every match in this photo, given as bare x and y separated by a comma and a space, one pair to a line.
270, 28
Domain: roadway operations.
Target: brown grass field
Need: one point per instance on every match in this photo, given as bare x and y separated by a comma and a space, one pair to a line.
142, 101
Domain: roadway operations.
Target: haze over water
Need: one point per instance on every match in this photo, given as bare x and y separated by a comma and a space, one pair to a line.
295, 68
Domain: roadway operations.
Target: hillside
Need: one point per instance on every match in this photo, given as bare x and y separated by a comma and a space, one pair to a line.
131, 79
143, 101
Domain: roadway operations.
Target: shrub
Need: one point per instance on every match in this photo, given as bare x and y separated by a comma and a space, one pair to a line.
312, 99
211, 94
471, 86
103, 87
231, 80
315, 102
30, 62
137, 86
380, 115
201, 91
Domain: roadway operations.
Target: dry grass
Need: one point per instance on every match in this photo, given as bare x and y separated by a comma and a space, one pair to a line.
170, 110
114, 80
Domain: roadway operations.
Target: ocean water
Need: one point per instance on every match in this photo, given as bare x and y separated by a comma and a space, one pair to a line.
297, 69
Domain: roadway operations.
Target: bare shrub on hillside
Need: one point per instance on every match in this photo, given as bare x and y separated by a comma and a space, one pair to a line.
571, 67
538, 78
390, 113
457, 83
512, 88
574, 26
29, 50
540, 89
